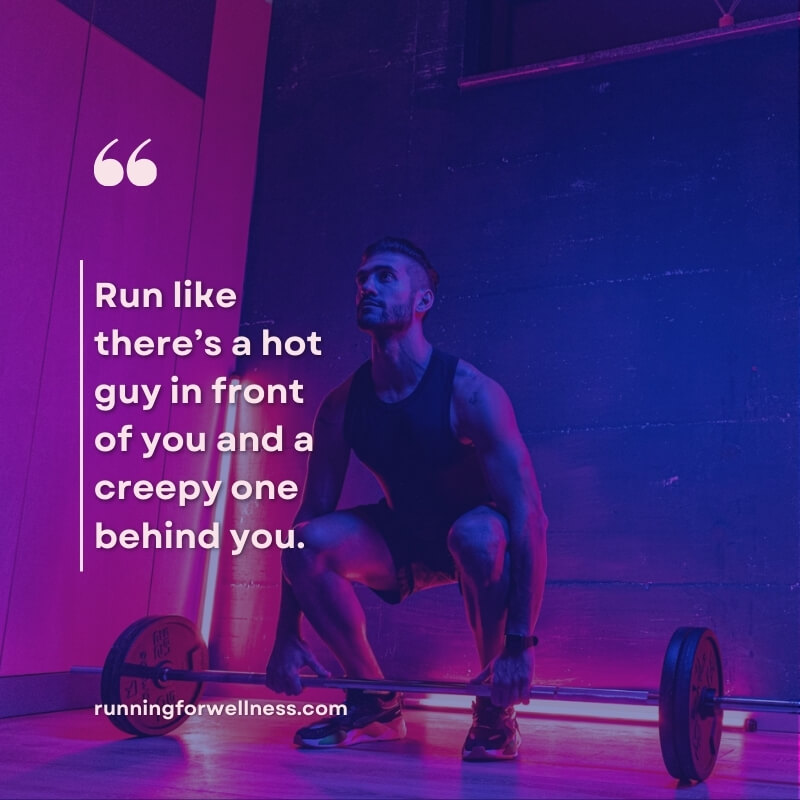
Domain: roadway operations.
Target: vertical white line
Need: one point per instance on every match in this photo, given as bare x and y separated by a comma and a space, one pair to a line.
212, 569
80, 416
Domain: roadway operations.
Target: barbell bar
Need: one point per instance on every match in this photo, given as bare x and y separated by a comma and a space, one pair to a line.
634, 697
164, 660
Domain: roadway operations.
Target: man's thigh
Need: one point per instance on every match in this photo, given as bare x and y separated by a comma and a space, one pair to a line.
433, 563
352, 543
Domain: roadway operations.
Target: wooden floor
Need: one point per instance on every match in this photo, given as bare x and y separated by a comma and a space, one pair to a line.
75, 754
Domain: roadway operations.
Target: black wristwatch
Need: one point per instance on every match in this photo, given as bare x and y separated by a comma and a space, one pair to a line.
516, 645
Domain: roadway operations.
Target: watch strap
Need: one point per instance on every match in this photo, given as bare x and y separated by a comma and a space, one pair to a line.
514, 645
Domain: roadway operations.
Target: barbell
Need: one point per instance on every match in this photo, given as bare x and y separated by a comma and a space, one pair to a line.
164, 661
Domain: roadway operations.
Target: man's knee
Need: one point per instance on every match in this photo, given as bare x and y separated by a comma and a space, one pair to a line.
478, 543
312, 557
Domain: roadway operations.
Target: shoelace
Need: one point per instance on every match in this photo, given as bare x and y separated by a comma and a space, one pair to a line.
488, 716
359, 703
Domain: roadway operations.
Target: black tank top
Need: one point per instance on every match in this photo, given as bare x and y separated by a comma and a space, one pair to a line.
410, 447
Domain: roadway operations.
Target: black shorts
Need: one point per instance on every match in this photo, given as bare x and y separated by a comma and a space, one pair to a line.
418, 547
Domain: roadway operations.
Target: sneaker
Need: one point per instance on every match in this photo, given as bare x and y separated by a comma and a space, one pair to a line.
494, 735
370, 718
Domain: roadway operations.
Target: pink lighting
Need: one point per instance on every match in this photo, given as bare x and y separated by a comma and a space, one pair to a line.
212, 565
554, 709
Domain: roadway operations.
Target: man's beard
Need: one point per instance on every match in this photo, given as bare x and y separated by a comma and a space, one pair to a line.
380, 319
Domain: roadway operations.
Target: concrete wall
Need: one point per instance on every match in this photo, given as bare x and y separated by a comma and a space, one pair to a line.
618, 247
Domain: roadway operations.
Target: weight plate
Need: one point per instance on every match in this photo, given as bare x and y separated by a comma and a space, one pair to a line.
153, 642
689, 727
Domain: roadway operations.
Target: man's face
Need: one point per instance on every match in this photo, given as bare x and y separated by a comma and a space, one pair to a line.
387, 289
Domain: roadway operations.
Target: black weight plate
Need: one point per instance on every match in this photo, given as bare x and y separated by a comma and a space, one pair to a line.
110, 678
170, 641
689, 729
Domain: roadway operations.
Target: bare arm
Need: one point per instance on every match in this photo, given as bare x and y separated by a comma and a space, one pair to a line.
483, 415
327, 466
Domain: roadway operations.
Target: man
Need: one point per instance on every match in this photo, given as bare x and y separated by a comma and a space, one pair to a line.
461, 503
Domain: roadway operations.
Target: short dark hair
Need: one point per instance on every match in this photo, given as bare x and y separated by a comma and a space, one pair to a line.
393, 244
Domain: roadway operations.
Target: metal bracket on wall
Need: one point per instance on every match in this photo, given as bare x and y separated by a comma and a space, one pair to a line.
727, 16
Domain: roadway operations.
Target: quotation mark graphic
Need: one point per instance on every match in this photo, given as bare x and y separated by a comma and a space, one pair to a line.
109, 171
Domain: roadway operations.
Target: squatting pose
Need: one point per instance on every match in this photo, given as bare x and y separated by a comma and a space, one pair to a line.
461, 504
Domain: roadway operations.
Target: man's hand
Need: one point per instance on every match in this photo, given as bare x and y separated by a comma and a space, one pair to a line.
512, 676
289, 655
